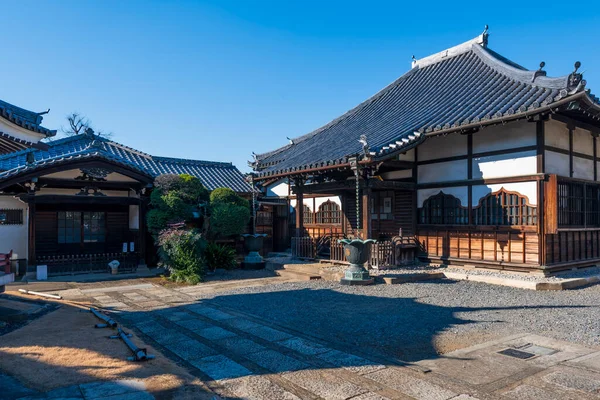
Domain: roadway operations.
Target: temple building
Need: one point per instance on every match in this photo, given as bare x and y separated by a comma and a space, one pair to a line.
81, 202
468, 158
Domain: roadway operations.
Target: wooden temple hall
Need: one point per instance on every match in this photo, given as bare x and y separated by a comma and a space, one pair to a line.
468, 158
77, 203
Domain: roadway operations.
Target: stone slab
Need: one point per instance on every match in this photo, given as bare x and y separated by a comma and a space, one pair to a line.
215, 333
220, 367
12, 388
275, 361
72, 392
408, 384
240, 345
165, 336
325, 384
304, 346
574, 379
241, 324
417, 277
269, 334
193, 324
590, 361
190, 349
350, 362
98, 390
256, 388
209, 312
117, 288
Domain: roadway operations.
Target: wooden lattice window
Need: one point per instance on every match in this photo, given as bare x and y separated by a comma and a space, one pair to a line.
443, 209
309, 216
329, 213
11, 217
504, 208
578, 204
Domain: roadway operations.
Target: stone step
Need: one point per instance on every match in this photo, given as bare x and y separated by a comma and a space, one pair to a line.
298, 274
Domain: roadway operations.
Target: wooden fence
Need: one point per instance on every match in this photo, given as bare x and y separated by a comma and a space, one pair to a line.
384, 253
71, 264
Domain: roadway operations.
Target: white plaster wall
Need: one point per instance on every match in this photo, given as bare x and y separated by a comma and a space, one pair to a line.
460, 192
556, 134
18, 132
583, 168
528, 189
502, 137
442, 172
408, 156
73, 173
401, 174
134, 217
278, 189
14, 237
557, 163
436, 147
583, 142
503, 165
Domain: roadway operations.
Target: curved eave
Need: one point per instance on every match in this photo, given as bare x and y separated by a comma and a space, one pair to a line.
26, 124
10, 177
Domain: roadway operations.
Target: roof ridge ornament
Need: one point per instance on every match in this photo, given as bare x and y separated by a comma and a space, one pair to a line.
539, 72
575, 82
484, 35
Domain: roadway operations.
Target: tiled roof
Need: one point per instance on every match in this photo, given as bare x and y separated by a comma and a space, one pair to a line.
212, 174
463, 87
24, 118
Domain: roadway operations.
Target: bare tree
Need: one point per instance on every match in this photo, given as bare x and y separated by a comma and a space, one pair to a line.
79, 124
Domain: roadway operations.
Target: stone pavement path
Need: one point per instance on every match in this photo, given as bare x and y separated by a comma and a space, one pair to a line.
243, 357
112, 390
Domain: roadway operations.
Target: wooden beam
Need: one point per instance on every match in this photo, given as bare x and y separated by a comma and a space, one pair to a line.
470, 177
366, 223
78, 184
62, 199
299, 209
550, 205
31, 259
488, 181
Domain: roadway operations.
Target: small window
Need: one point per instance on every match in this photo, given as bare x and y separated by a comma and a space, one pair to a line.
329, 213
11, 217
443, 209
76, 227
309, 217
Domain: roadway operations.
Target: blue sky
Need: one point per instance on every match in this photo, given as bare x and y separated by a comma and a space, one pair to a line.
217, 80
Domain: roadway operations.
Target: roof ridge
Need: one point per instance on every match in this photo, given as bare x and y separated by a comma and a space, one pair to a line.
348, 113
465, 47
190, 161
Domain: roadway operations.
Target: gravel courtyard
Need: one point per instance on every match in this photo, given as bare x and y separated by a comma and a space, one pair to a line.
420, 320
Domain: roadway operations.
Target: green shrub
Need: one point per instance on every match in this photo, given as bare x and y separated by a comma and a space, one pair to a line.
228, 220
220, 256
181, 251
227, 196
174, 199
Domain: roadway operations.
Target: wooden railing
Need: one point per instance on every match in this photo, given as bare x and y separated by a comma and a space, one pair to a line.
384, 253
70, 264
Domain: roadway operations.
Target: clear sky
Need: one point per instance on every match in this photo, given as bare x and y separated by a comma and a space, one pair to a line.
217, 80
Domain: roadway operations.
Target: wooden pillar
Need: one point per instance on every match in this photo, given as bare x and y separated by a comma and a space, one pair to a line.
142, 229
541, 185
299, 209
31, 256
366, 213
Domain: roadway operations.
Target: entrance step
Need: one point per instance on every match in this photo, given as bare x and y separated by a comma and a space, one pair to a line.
302, 276
305, 272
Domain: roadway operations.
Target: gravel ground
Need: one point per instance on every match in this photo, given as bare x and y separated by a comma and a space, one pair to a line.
411, 269
420, 320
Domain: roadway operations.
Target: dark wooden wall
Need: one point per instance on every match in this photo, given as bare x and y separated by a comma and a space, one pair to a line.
476, 244
117, 231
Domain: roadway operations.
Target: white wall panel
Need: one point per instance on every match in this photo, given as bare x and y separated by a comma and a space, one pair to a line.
401, 174
14, 237
134, 217
583, 168
528, 189
408, 156
557, 163
556, 134
460, 192
73, 173
436, 147
320, 200
502, 137
443, 172
503, 165
583, 142
278, 189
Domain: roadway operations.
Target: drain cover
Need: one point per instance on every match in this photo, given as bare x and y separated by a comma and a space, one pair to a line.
523, 355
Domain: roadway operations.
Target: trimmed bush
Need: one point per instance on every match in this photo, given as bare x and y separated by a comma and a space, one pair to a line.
220, 256
181, 253
227, 196
228, 220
